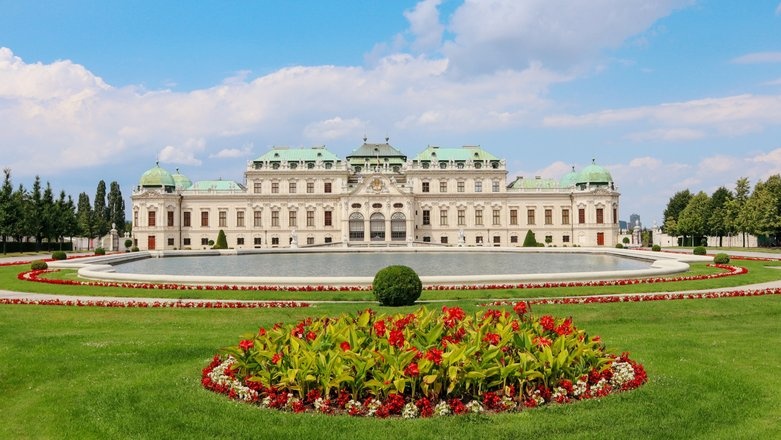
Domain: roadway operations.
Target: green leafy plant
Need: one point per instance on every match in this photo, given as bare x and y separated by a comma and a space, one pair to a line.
128, 243
100, 251
222, 242
699, 250
529, 240
656, 248
59, 255
134, 249
39, 265
619, 246
495, 359
721, 258
397, 286
626, 240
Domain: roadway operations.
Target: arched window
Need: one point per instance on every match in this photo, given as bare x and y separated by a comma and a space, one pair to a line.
356, 226
398, 226
377, 227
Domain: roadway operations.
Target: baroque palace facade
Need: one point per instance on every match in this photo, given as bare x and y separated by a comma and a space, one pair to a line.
300, 197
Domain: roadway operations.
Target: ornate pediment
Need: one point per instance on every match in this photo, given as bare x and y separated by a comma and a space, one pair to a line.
378, 185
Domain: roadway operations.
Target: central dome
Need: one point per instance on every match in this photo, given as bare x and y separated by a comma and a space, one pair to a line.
157, 177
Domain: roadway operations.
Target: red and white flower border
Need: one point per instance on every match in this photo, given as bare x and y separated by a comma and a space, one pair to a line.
142, 304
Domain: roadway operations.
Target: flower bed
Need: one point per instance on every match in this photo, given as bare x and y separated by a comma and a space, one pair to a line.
180, 304
39, 276
419, 365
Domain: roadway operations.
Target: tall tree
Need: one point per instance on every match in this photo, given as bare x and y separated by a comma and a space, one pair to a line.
719, 219
7, 211
100, 213
736, 207
20, 228
693, 220
49, 215
85, 218
116, 207
34, 215
675, 206
762, 212
71, 223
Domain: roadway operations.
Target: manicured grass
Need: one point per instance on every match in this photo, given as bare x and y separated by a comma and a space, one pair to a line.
714, 372
758, 273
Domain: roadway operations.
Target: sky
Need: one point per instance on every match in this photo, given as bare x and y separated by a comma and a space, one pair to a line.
665, 94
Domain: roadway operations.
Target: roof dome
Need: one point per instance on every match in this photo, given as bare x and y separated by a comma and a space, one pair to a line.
156, 177
594, 174
181, 181
570, 179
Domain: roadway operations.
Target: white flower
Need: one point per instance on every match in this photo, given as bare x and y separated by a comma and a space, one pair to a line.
410, 411
442, 408
622, 373
372, 407
475, 407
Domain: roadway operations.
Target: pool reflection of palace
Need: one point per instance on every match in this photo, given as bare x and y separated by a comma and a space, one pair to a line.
376, 196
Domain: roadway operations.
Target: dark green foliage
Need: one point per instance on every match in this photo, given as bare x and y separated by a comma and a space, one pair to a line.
100, 251
626, 240
656, 248
530, 241
699, 250
59, 255
116, 207
397, 286
721, 258
128, 243
38, 265
222, 242
134, 249
619, 246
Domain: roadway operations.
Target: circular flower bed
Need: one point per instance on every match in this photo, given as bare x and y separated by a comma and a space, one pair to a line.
421, 364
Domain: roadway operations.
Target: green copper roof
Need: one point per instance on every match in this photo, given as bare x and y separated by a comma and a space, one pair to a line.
216, 185
570, 179
181, 181
376, 150
536, 183
594, 174
456, 154
298, 155
156, 177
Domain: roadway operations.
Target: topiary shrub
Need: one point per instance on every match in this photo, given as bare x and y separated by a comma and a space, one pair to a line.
39, 265
619, 246
626, 240
397, 286
128, 243
134, 249
530, 241
100, 251
59, 255
222, 242
721, 258
656, 248
699, 250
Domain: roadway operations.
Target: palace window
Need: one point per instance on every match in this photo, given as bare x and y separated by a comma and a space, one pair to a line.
291, 218
513, 216
186, 220
565, 216
495, 186
460, 186
275, 241
461, 217
274, 187
497, 216
600, 215
548, 216
204, 219
443, 217
615, 215
327, 216
240, 241
310, 187
426, 217
514, 239
581, 215
443, 239
478, 186
565, 239
186, 242
204, 241
257, 220
425, 187
152, 219
257, 187
257, 241
170, 218
478, 216
291, 187
529, 216
327, 187
443, 186
310, 240
310, 218
223, 218
275, 218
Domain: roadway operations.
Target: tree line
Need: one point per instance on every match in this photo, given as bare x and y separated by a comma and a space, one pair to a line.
37, 215
727, 212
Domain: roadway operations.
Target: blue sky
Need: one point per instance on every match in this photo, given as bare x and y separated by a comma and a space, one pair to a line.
666, 94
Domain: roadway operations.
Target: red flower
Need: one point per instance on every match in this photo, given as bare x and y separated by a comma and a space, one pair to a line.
541, 341
396, 338
276, 358
434, 355
452, 315
345, 346
492, 338
520, 308
262, 332
246, 344
379, 328
412, 370
311, 336
565, 328
547, 322
515, 325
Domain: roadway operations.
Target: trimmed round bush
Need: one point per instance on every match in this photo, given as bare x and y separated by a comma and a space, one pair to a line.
397, 286
619, 246
100, 251
721, 258
128, 243
39, 265
699, 250
134, 249
59, 255
656, 248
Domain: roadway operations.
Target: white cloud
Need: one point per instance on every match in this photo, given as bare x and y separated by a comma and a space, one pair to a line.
758, 57
230, 153
171, 154
425, 26
334, 128
667, 134
510, 34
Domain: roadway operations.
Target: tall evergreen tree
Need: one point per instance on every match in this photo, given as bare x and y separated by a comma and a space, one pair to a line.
100, 214
34, 215
49, 216
116, 207
20, 228
7, 211
71, 223
85, 218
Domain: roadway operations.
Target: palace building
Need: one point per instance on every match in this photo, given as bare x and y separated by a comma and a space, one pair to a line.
300, 197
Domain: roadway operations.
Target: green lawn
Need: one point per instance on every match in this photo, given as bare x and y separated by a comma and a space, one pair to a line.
65, 372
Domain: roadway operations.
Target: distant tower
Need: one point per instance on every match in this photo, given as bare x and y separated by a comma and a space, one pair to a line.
634, 220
